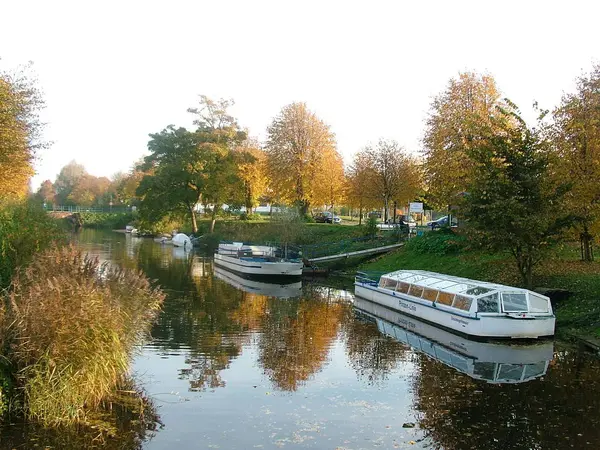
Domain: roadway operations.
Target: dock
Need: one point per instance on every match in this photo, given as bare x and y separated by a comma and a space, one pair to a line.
366, 252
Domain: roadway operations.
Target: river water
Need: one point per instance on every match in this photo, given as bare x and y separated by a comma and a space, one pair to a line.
235, 364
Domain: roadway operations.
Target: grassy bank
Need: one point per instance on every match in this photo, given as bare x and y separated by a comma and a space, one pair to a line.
451, 254
108, 221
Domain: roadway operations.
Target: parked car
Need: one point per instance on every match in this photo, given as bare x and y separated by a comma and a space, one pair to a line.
327, 217
438, 223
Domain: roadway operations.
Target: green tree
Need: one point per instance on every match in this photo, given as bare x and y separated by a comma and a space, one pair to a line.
299, 145
455, 115
188, 168
511, 203
577, 122
20, 132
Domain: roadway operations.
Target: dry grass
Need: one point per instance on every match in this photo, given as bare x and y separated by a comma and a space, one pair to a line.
72, 326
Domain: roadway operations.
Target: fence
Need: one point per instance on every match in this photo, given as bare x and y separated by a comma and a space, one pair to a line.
89, 209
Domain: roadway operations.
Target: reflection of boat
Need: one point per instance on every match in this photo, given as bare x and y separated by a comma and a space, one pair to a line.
256, 260
468, 306
495, 362
259, 287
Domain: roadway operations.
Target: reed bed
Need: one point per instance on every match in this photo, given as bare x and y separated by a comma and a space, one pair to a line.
71, 327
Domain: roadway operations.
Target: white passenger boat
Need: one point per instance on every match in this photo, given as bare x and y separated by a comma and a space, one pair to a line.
256, 260
287, 290
474, 308
494, 362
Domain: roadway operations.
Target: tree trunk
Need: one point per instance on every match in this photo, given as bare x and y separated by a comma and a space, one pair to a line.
194, 222
360, 214
385, 210
585, 239
395, 206
214, 218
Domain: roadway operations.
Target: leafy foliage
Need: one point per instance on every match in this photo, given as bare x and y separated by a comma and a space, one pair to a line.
455, 116
25, 229
304, 166
577, 135
512, 201
20, 129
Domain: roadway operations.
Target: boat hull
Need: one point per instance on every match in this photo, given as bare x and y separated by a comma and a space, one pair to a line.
484, 326
259, 268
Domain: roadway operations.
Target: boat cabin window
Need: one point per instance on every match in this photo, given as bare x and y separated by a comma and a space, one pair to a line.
415, 290
514, 302
402, 287
445, 298
538, 304
462, 302
488, 304
430, 294
387, 283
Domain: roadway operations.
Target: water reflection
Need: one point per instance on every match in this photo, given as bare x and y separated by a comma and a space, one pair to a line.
233, 366
494, 362
252, 286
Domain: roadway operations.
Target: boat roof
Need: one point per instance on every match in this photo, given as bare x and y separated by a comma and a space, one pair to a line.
450, 283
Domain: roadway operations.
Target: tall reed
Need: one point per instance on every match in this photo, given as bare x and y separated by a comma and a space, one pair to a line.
72, 326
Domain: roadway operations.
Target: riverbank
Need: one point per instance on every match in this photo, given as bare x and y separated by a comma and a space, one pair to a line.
577, 315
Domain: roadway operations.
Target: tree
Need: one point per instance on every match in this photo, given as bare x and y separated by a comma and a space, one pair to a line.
252, 169
511, 201
577, 122
395, 176
299, 145
359, 185
187, 168
20, 129
467, 104
67, 179
46, 192
176, 179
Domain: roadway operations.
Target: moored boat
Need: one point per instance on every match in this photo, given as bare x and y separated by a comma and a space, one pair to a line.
474, 308
494, 362
256, 260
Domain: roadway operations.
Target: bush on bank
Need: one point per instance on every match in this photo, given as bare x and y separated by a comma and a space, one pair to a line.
25, 229
68, 324
70, 327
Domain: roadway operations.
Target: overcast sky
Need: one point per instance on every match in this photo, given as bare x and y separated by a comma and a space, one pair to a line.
114, 71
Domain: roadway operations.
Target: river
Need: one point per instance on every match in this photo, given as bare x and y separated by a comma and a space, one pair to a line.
233, 364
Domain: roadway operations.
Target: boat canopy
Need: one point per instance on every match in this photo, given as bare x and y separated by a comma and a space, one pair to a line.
465, 294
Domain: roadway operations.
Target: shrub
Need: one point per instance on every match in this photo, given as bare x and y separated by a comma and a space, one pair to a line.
371, 226
441, 242
25, 228
74, 325
113, 221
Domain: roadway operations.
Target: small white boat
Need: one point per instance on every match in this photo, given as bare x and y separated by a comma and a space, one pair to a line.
287, 290
471, 307
256, 260
495, 362
182, 240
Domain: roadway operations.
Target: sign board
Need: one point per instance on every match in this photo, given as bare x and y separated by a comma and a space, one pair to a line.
416, 207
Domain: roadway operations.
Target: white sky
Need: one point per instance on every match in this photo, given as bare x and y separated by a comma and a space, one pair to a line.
114, 71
